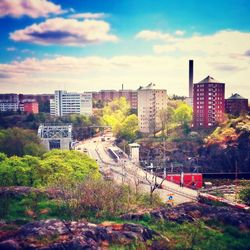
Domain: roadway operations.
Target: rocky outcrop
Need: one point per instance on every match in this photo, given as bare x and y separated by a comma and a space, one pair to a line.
190, 212
57, 234
19, 191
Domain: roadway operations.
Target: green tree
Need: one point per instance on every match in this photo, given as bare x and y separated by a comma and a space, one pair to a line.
16, 171
56, 165
3, 157
71, 165
245, 195
166, 117
129, 128
183, 114
18, 141
116, 114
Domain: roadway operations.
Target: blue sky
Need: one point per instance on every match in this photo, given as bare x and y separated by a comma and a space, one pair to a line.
131, 41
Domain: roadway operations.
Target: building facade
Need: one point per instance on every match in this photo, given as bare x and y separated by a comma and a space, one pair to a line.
208, 102
43, 100
29, 107
9, 103
55, 136
15, 103
66, 103
110, 95
150, 102
236, 104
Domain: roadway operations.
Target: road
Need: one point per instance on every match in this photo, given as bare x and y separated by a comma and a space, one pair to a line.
127, 172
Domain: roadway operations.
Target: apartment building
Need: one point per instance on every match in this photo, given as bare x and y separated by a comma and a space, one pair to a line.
150, 102
66, 103
29, 107
208, 102
9, 102
236, 104
110, 95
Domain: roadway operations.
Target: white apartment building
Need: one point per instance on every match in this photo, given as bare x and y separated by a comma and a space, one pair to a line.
9, 102
150, 102
9, 106
66, 103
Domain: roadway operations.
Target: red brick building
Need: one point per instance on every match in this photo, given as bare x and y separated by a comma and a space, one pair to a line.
236, 105
30, 107
110, 95
208, 102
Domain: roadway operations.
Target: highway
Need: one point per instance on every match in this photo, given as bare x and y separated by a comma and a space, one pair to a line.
127, 172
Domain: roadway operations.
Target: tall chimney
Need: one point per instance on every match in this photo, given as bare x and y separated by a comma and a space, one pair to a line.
191, 78
122, 86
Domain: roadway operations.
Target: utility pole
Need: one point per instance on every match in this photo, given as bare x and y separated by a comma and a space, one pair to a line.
164, 158
236, 180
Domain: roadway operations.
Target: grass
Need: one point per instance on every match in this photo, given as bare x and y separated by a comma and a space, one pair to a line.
198, 235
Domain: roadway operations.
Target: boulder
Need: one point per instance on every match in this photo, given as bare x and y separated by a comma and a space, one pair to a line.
57, 234
9, 245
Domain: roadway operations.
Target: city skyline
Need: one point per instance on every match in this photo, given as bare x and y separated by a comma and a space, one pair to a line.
91, 45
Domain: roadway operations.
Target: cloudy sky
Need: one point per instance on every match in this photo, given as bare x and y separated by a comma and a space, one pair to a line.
83, 45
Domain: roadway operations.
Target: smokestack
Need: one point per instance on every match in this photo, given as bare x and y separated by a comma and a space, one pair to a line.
191, 78
122, 86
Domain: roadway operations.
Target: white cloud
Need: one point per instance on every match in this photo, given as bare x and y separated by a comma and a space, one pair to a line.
69, 32
179, 32
88, 15
154, 35
31, 8
95, 73
223, 43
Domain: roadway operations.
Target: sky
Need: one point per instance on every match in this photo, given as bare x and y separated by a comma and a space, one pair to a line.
89, 45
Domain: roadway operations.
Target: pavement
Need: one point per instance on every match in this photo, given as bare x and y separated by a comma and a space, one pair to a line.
127, 172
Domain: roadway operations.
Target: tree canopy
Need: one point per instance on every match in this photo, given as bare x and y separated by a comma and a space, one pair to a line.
56, 165
117, 115
129, 128
183, 113
19, 142
228, 146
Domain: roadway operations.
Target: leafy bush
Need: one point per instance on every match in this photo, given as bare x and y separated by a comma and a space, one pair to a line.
20, 142
245, 195
54, 166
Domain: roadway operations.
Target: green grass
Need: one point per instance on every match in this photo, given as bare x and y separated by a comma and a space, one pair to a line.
15, 208
198, 235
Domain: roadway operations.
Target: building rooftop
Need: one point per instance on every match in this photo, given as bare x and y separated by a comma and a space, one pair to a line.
209, 79
148, 87
235, 96
134, 145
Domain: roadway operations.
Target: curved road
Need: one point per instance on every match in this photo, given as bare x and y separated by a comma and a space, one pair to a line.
127, 172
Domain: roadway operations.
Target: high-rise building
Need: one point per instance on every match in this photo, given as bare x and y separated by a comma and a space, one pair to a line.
66, 103
208, 102
236, 104
150, 102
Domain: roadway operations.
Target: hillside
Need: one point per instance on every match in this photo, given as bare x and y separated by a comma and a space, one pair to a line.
227, 147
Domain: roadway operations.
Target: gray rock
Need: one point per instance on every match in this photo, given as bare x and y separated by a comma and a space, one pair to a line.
9, 245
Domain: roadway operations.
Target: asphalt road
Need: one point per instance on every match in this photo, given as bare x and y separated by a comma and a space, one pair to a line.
127, 172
